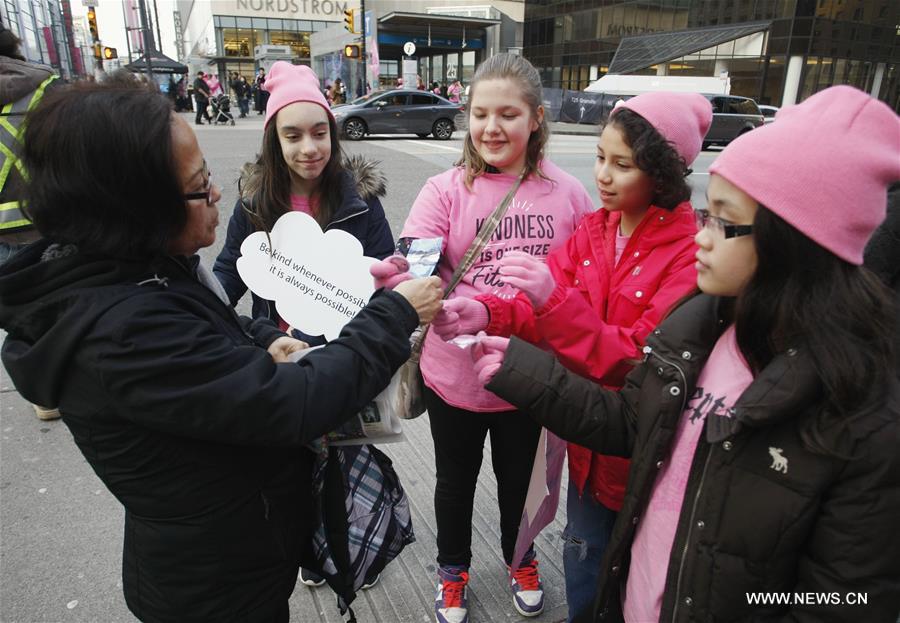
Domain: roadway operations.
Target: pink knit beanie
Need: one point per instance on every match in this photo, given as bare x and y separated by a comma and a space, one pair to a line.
287, 83
823, 166
681, 118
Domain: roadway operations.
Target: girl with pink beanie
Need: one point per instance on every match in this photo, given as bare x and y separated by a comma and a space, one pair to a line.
762, 425
598, 296
301, 168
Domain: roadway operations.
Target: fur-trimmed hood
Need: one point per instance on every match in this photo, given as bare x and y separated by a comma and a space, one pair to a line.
364, 174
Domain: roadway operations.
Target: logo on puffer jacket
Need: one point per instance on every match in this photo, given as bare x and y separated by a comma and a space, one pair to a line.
779, 462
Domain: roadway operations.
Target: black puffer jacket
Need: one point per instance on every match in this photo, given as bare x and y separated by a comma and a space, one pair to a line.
360, 215
824, 525
188, 421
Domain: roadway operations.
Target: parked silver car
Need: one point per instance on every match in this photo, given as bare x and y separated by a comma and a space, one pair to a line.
398, 111
732, 116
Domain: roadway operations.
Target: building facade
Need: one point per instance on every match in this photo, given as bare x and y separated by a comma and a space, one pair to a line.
49, 34
451, 36
776, 51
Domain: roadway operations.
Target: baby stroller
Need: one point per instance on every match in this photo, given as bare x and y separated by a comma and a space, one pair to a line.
221, 109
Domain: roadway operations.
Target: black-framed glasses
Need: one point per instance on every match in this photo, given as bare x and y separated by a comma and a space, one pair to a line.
720, 225
206, 193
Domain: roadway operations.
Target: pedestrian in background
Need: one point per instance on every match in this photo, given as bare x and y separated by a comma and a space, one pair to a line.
201, 99
22, 86
504, 146
192, 417
261, 96
597, 297
763, 423
454, 92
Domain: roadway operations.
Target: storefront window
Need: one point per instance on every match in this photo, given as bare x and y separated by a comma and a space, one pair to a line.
452, 67
437, 68
299, 41
239, 41
468, 66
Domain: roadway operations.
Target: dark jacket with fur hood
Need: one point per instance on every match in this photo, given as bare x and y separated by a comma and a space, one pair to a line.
360, 215
820, 527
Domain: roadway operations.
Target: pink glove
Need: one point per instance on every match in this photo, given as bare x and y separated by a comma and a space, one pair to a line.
528, 274
460, 316
488, 355
390, 271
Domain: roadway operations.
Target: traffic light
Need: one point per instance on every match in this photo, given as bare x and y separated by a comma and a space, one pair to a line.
351, 51
348, 20
98, 51
110, 53
92, 24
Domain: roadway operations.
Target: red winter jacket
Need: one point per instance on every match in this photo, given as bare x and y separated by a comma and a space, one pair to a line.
598, 316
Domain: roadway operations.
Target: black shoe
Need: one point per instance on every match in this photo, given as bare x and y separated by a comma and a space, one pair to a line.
311, 579
370, 582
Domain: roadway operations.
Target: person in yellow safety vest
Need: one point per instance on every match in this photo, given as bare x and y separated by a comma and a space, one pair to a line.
22, 84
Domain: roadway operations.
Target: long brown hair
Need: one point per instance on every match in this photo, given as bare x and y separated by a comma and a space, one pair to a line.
519, 70
265, 187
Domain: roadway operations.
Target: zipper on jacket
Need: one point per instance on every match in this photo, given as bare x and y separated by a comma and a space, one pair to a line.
346, 218
687, 539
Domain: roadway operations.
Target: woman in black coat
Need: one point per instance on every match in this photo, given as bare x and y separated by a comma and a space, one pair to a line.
763, 424
189, 414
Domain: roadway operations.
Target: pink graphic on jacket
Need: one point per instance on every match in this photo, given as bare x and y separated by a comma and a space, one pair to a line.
722, 381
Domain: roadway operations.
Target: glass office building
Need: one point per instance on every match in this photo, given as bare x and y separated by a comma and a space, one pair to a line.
776, 51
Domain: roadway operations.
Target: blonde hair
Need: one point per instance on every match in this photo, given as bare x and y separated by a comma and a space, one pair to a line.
519, 70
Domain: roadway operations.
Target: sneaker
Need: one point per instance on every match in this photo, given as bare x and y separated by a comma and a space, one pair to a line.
311, 579
528, 592
44, 413
450, 603
370, 582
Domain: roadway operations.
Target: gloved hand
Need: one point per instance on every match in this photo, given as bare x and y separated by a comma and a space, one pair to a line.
528, 274
460, 316
488, 355
390, 271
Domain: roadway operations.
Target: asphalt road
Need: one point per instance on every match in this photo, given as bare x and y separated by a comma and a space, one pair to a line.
61, 530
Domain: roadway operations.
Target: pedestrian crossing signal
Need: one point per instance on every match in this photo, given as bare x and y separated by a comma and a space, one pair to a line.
348, 21
98, 51
110, 53
351, 51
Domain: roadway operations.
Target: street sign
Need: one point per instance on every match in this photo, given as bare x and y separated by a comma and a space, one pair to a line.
409, 48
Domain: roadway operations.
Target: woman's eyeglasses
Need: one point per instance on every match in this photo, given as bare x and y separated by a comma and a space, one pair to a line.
206, 193
720, 225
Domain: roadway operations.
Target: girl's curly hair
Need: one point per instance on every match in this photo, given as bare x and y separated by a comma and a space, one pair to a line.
656, 157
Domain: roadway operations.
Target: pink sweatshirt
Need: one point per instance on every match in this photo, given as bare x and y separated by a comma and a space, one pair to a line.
542, 216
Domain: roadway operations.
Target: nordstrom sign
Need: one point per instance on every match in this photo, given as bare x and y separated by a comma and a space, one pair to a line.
297, 9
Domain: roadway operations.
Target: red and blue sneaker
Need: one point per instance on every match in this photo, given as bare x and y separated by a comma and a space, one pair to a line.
528, 592
450, 603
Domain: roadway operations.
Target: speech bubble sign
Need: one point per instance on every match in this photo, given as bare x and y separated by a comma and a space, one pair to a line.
318, 280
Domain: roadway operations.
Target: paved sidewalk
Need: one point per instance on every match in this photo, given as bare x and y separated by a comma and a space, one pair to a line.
61, 537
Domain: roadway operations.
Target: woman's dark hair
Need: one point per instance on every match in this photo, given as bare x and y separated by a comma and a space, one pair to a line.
803, 296
9, 44
656, 157
101, 169
268, 195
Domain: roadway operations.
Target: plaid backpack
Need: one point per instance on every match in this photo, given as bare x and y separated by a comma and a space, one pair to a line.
362, 515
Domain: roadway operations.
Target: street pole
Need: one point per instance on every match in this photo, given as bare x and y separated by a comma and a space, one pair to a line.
147, 35
127, 32
365, 59
156, 19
